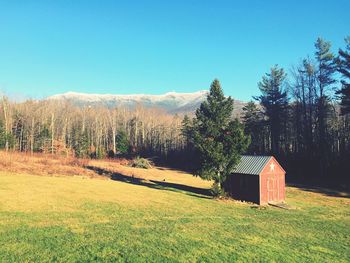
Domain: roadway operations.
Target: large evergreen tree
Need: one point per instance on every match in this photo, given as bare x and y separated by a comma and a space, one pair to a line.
325, 79
343, 62
218, 139
274, 100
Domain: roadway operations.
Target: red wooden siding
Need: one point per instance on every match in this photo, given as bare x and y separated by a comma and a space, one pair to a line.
266, 187
272, 183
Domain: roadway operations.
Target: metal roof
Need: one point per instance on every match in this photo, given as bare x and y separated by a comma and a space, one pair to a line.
251, 164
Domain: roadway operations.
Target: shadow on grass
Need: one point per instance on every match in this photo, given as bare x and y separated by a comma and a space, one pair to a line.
154, 184
322, 190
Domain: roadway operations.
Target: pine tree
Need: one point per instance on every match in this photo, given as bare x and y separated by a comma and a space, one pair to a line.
81, 144
274, 100
326, 69
219, 141
122, 142
43, 140
186, 130
325, 79
253, 126
6, 139
343, 62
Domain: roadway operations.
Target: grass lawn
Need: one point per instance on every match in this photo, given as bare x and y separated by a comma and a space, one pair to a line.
165, 218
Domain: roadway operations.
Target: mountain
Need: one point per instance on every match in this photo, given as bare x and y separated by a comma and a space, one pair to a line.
172, 102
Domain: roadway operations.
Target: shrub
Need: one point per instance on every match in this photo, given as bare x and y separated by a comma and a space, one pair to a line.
217, 191
77, 162
141, 163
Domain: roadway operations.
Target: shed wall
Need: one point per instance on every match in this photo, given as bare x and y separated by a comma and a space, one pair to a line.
272, 183
243, 187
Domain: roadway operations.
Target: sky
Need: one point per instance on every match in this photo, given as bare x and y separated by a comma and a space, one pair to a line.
153, 47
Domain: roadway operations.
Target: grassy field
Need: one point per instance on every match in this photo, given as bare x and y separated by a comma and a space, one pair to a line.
156, 215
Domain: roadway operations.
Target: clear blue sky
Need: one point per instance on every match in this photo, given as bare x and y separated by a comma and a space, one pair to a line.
49, 47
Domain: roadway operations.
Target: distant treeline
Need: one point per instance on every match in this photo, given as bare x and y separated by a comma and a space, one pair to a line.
303, 119
59, 127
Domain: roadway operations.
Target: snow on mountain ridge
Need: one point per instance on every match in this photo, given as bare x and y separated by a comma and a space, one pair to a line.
172, 102
72, 94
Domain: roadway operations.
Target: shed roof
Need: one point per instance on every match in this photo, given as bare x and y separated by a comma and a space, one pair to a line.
251, 164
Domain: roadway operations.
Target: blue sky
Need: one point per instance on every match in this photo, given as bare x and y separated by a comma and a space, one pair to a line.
122, 47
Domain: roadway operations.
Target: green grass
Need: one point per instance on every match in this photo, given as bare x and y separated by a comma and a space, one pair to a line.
72, 219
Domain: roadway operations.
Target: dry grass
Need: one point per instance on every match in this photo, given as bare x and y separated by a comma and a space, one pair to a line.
55, 165
40, 164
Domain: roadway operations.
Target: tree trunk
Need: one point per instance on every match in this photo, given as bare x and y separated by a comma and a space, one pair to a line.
52, 132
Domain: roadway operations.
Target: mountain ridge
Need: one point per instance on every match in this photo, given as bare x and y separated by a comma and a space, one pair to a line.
172, 102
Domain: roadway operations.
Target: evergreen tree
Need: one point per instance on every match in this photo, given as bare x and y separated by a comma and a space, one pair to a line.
325, 71
218, 140
326, 68
122, 142
186, 130
274, 100
254, 126
343, 62
43, 140
6, 139
80, 144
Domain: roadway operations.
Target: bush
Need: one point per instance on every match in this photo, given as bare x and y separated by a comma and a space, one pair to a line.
141, 163
77, 162
217, 191
110, 154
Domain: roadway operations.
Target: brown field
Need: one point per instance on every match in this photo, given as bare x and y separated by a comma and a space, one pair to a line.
117, 169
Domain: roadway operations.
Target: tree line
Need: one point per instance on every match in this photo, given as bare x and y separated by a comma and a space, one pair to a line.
304, 118
59, 127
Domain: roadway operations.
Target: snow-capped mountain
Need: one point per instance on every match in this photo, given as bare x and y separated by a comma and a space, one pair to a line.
172, 102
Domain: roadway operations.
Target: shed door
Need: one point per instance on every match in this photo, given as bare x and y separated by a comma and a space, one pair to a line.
269, 189
272, 188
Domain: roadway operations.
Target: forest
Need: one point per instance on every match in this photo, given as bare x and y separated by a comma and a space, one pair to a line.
302, 117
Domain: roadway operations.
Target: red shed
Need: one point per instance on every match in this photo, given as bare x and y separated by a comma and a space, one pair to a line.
258, 179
